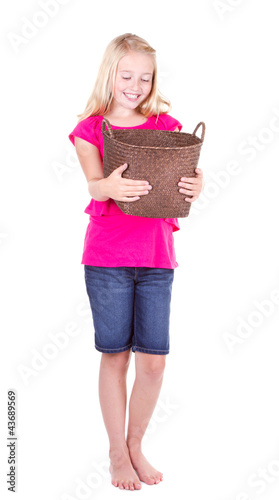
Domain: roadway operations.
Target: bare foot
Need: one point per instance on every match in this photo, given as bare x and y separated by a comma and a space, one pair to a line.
122, 472
144, 469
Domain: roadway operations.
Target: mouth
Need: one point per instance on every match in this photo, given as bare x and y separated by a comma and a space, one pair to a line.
131, 97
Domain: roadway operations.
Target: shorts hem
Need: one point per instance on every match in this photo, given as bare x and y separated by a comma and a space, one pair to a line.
149, 351
111, 351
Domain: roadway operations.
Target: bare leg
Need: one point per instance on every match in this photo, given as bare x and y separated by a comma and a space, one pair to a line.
145, 393
113, 397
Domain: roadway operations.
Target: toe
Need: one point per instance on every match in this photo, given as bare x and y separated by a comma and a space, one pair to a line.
131, 485
149, 480
137, 486
126, 485
158, 478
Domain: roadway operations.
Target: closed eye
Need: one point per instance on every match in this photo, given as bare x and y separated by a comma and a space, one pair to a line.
129, 78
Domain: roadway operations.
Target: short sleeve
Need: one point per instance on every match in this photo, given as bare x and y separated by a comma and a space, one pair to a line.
170, 123
88, 129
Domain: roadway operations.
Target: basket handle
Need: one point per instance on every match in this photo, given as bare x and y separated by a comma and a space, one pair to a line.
105, 123
203, 130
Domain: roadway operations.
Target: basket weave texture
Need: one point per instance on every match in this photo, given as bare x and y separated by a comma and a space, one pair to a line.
160, 157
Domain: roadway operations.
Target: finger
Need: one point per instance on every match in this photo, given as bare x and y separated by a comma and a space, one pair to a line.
190, 180
132, 182
130, 198
188, 185
133, 189
188, 191
121, 169
135, 193
194, 198
199, 171
129, 182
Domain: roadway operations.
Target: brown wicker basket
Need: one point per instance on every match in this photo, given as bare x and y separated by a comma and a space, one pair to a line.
160, 157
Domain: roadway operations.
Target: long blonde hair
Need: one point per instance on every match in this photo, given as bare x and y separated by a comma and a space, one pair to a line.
101, 97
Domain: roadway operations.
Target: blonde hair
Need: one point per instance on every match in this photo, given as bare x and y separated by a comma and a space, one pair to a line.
101, 97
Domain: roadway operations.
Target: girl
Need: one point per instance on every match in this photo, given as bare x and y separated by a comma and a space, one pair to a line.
128, 261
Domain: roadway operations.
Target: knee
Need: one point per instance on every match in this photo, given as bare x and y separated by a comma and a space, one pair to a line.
152, 367
118, 361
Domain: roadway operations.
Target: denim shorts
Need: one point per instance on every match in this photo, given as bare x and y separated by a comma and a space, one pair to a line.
130, 308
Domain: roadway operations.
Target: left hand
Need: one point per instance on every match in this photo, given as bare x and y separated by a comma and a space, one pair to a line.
192, 186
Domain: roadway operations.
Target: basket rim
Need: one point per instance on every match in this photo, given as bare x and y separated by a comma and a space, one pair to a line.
198, 145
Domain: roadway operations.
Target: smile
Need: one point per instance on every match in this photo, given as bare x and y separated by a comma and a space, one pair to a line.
132, 97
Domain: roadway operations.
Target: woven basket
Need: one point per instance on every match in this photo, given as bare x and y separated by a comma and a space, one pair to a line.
160, 157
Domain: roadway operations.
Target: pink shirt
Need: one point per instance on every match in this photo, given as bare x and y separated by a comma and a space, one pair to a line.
115, 239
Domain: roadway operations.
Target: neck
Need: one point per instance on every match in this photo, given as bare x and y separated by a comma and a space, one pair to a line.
123, 114
126, 119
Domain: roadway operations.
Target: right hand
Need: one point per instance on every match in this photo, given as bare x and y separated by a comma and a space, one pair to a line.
118, 188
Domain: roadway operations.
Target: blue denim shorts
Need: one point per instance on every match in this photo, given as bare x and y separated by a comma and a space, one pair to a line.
130, 308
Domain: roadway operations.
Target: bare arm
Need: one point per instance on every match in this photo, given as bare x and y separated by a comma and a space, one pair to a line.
91, 164
114, 186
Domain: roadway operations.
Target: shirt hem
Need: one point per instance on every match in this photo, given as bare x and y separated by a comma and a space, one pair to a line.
134, 264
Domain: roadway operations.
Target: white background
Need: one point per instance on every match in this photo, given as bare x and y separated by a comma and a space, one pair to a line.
214, 432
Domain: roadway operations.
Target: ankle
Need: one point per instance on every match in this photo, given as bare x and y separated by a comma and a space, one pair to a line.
118, 450
134, 444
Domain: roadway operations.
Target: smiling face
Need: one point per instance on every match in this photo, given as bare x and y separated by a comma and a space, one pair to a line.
133, 81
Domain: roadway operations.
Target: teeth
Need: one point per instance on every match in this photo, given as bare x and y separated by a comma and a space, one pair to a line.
132, 96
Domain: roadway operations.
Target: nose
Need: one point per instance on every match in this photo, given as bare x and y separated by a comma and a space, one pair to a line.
135, 85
